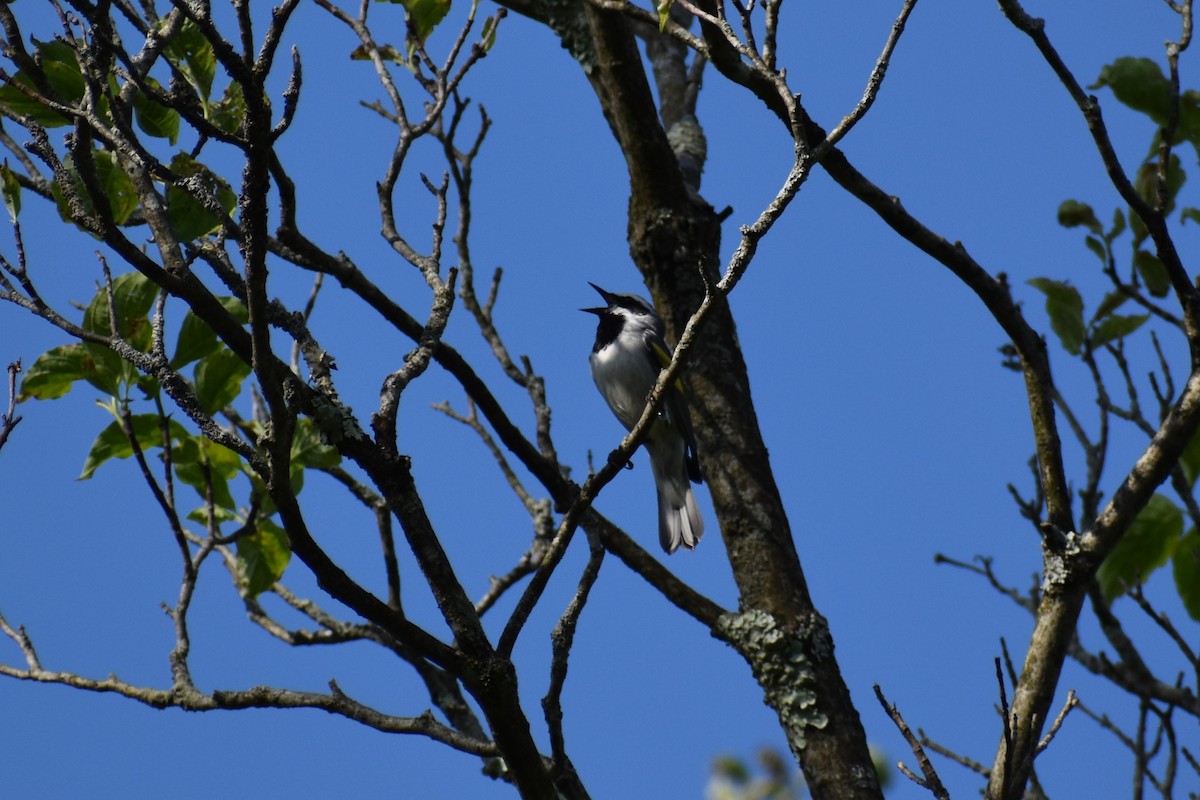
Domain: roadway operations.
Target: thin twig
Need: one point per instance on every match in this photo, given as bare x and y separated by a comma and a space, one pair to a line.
539, 509
1005, 716
1029, 603
306, 315
1191, 759
957, 758
1164, 622
1072, 701
21, 637
873, 85
9, 420
125, 419
562, 638
336, 702
930, 781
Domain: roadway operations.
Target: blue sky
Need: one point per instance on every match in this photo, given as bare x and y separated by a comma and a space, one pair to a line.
892, 428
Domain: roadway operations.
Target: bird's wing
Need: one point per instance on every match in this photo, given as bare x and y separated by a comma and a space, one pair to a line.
676, 404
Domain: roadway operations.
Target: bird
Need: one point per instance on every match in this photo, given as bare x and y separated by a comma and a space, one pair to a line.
626, 359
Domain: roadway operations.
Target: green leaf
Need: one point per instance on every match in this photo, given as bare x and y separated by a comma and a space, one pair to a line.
1189, 116
221, 460
1190, 460
1185, 565
1140, 232
133, 295
192, 54
296, 479
107, 371
218, 513
197, 340
1140, 84
117, 187
1153, 273
219, 379
1111, 302
154, 119
664, 14
18, 102
195, 476
258, 491
386, 52
55, 372
61, 66
1145, 547
262, 556
11, 190
236, 308
1096, 246
189, 219
1116, 326
487, 34
113, 443
423, 16
1065, 309
1146, 181
200, 463
228, 113
1118, 226
309, 451
732, 769
1190, 213
186, 450
149, 385
1072, 214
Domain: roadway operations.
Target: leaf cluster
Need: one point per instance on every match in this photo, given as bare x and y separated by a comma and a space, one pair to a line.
53, 90
1138, 276
217, 378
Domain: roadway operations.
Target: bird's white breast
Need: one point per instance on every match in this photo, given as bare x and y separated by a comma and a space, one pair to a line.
624, 375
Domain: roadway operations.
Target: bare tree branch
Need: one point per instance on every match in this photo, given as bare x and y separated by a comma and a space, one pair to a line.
336, 702
930, 779
562, 639
9, 420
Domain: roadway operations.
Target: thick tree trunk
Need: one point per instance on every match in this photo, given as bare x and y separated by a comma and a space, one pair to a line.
673, 235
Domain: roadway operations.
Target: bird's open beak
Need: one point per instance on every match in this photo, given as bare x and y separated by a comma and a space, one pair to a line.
608, 298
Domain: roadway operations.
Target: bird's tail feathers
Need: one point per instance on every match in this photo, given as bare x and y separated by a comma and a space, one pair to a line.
679, 524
